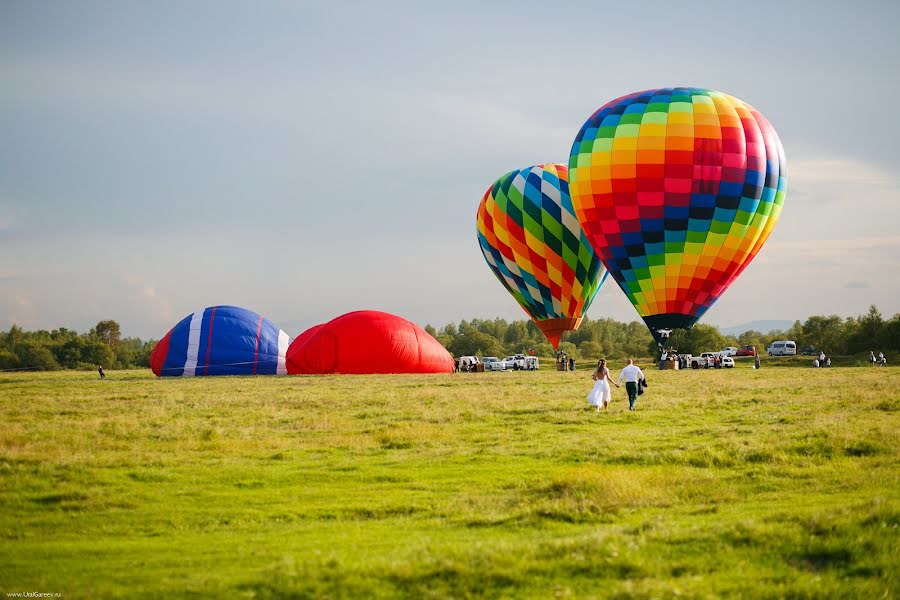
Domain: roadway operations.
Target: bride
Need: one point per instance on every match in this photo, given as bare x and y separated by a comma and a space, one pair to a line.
601, 393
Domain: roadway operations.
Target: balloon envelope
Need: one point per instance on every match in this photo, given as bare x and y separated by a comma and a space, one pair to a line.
677, 190
221, 340
532, 242
367, 341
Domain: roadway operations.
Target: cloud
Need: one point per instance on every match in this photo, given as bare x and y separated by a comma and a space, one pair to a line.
821, 249
243, 95
838, 171
7, 217
152, 307
498, 128
858, 285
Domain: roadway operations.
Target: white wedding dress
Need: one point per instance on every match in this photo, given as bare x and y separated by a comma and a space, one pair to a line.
600, 393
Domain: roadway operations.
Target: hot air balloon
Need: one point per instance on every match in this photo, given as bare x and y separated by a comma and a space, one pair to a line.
677, 190
367, 341
221, 340
531, 240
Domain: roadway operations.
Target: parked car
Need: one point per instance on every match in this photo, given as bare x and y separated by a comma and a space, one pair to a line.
515, 362
746, 351
782, 348
727, 362
702, 361
809, 351
492, 363
729, 351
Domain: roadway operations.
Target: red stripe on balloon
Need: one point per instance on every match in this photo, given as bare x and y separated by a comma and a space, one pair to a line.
212, 317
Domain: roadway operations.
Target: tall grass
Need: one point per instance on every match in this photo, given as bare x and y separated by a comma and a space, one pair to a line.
759, 484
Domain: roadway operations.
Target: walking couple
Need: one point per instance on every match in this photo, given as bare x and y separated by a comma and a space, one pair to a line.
601, 393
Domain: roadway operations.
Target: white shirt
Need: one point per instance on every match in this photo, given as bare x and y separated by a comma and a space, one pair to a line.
631, 373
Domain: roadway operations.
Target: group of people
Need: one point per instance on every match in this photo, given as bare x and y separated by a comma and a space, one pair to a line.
672, 355
601, 394
822, 360
564, 363
880, 361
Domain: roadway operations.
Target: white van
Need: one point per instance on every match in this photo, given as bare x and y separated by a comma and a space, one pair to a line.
782, 348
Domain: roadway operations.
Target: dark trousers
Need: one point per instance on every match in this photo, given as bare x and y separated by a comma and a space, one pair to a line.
631, 388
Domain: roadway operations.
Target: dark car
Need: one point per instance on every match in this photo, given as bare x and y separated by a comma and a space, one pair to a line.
809, 351
746, 351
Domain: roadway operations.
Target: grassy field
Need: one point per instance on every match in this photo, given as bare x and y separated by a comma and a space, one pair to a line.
779, 483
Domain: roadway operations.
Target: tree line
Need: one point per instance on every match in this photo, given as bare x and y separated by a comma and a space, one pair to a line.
596, 338
65, 348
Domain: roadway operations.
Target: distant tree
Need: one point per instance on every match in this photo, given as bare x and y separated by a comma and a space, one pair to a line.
590, 350
68, 354
476, 343
824, 333
544, 349
35, 356
134, 352
8, 360
430, 331
516, 334
108, 332
62, 335
795, 332
13, 337
865, 332
753, 338
98, 353
890, 334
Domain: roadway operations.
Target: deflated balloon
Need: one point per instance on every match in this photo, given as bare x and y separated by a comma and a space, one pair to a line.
221, 340
677, 190
367, 341
532, 242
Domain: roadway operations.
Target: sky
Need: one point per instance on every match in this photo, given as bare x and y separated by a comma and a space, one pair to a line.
306, 159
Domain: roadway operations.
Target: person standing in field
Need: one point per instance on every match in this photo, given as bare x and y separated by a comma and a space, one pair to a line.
881, 361
100, 370
756, 362
601, 393
871, 359
631, 374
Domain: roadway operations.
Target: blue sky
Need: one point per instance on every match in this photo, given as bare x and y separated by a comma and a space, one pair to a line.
304, 159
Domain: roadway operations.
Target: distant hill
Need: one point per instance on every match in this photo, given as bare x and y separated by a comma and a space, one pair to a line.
760, 326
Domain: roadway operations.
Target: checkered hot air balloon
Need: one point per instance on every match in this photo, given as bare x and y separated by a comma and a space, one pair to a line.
677, 190
532, 242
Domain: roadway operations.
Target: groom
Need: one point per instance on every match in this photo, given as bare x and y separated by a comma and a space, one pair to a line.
631, 374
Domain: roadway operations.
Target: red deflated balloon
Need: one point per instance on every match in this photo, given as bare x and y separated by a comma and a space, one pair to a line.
367, 341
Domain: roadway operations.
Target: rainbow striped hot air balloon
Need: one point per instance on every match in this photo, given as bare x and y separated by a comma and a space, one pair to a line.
677, 190
532, 242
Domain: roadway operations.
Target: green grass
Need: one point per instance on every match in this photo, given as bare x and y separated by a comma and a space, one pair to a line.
779, 483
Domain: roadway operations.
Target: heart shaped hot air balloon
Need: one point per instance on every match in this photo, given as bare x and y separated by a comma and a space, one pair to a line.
677, 190
532, 242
